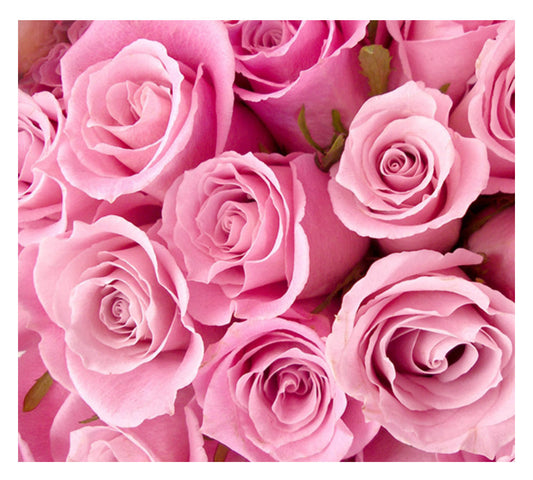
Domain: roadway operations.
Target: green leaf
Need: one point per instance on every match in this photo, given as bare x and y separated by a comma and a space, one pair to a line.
445, 87
37, 392
305, 131
375, 63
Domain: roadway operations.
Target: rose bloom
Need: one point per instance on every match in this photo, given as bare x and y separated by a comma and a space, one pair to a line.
145, 101
282, 65
429, 352
46, 203
115, 329
404, 177
437, 52
268, 393
487, 111
255, 232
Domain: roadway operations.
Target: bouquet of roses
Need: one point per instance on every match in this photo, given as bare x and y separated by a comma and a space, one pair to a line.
266, 240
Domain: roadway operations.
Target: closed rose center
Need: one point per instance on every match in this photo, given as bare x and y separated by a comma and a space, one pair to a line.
402, 167
114, 312
134, 116
228, 221
265, 35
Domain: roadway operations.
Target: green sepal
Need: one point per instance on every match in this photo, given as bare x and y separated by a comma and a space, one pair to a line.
263, 149
221, 453
334, 153
337, 122
326, 157
371, 31
90, 419
37, 392
305, 131
445, 87
375, 64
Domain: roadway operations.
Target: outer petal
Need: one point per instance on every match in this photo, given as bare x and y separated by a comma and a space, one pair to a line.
446, 54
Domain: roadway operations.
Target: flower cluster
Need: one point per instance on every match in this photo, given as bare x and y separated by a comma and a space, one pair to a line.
266, 240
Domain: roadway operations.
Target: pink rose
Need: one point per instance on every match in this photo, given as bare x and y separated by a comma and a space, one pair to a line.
146, 101
282, 65
117, 333
404, 177
279, 399
496, 241
487, 111
161, 439
253, 233
437, 52
429, 353
46, 203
